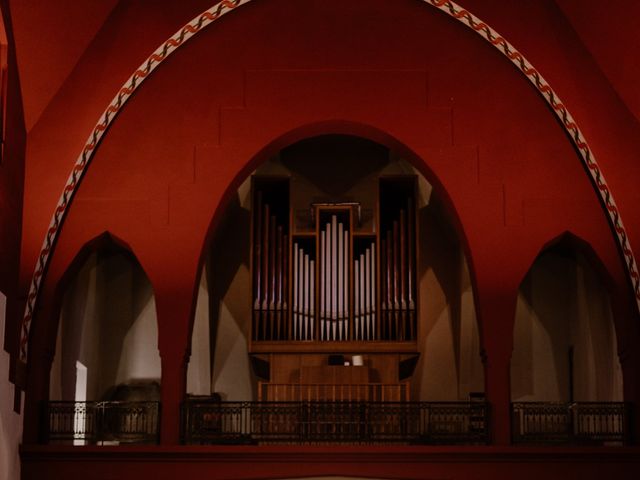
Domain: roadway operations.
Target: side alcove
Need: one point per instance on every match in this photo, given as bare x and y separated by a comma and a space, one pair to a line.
106, 348
566, 378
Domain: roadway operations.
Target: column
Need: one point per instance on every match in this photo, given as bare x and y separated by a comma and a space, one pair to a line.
175, 314
630, 363
497, 316
41, 353
627, 328
174, 383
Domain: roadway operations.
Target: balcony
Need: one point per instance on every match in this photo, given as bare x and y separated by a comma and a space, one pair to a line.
213, 422
207, 421
317, 423
101, 423
578, 423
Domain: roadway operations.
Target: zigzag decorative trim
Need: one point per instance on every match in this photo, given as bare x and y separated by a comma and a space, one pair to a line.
209, 16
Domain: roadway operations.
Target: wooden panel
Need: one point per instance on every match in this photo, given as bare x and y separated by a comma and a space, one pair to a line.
333, 374
291, 368
335, 347
300, 392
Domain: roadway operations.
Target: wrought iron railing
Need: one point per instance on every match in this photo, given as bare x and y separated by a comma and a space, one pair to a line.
101, 422
214, 422
577, 423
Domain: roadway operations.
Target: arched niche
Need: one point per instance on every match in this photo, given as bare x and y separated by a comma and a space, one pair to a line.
450, 366
564, 337
337, 167
107, 340
219, 359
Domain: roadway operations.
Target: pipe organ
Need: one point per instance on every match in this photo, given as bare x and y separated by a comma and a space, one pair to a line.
346, 284
334, 301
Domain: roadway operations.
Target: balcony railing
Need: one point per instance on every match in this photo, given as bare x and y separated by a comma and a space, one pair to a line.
207, 421
304, 423
110, 422
575, 423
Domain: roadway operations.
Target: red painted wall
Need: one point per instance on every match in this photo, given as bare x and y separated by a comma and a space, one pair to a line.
276, 71
612, 40
11, 192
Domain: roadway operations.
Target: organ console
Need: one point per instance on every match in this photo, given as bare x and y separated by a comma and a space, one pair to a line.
329, 286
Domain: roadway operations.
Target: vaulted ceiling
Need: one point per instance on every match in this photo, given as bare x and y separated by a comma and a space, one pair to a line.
609, 31
52, 36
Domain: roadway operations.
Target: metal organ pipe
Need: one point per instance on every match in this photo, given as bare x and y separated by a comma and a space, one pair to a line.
323, 287
345, 275
303, 315
398, 283
278, 295
356, 299
285, 285
389, 286
367, 292
365, 318
312, 275
296, 302
363, 296
334, 265
257, 233
410, 260
372, 289
270, 278
334, 277
305, 289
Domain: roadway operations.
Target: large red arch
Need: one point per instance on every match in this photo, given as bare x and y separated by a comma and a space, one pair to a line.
356, 129
211, 15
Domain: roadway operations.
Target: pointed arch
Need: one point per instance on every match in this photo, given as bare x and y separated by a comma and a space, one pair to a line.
565, 346
225, 6
105, 319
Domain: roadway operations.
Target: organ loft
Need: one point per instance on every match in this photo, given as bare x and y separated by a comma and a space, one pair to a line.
334, 305
279, 239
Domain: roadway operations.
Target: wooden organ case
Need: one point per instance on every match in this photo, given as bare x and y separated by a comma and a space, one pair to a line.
335, 304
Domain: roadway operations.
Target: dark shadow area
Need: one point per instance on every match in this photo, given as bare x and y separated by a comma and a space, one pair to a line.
335, 163
565, 310
440, 251
228, 252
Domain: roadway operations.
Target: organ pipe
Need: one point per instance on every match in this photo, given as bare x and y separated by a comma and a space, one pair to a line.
358, 298
345, 270
303, 294
397, 259
334, 280
270, 263
257, 241
411, 266
365, 318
